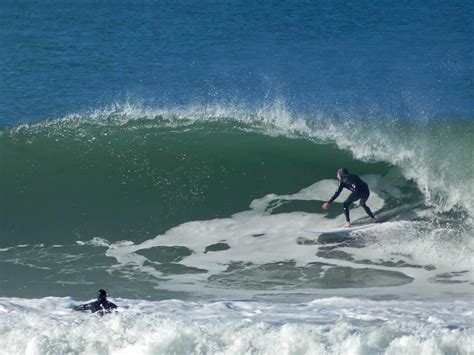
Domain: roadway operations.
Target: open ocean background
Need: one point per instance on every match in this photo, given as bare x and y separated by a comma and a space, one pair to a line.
177, 155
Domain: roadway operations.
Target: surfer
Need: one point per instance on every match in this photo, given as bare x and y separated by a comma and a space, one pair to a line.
101, 306
359, 189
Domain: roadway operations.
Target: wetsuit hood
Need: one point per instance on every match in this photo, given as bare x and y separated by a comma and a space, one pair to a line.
101, 295
343, 172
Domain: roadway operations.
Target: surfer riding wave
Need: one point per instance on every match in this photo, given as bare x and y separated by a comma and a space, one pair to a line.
360, 191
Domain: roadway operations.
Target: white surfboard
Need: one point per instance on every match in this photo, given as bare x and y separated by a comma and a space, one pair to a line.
342, 229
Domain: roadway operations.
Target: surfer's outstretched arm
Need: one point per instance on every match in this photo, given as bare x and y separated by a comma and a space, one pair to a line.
336, 194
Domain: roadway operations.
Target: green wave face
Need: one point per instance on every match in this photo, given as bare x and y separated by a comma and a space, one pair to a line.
66, 181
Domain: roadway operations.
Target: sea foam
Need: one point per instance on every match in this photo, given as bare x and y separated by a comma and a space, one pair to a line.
324, 326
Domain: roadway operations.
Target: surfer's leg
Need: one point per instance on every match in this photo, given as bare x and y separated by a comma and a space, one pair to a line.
366, 208
352, 198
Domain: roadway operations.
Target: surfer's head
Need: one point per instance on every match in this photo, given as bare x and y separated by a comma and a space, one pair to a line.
341, 173
101, 295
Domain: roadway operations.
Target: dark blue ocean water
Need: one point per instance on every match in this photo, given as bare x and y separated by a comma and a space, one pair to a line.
371, 59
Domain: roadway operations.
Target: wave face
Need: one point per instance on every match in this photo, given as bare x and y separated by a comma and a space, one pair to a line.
190, 199
148, 150
132, 170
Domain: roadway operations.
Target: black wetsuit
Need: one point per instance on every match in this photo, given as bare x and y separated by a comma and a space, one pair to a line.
359, 189
100, 307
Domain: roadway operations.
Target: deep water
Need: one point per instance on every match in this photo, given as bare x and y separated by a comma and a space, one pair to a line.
411, 59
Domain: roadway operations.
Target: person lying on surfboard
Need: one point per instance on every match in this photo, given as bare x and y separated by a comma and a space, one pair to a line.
359, 189
101, 306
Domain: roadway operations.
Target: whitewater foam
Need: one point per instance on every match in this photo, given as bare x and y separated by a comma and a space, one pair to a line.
245, 251
323, 326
